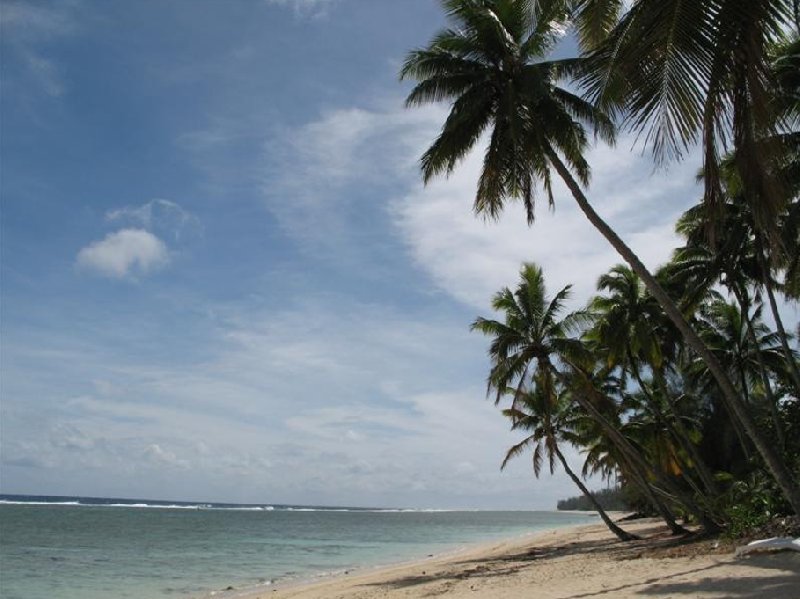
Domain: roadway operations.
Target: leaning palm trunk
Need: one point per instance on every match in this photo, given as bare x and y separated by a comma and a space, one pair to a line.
639, 478
671, 426
620, 534
665, 487
773, 306
645, 471
676, 426
735, 405
772, 401
683, 437
637, 464
793, 368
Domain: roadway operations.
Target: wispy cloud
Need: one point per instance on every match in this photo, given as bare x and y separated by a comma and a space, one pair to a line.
327, 175
307, 8
27, 27
33, 21
46, 73
158, 215
328, 361
305, 402
318, 175
124, 253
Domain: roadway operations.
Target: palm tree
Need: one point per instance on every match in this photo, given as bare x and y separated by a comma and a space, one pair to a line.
598, 392
718, 71
631, 327
489, 66
533, 342
545, 418
737, 261
533, 338
748, 349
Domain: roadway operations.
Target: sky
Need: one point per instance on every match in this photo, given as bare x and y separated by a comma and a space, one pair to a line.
222, 278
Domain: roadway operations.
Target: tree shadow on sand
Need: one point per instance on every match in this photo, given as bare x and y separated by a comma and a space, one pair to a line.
506, 564
656, 542
784, 586
775, 587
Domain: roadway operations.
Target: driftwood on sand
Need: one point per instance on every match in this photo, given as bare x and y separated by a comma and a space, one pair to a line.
773, 544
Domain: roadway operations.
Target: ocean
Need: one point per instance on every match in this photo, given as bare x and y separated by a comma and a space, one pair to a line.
91, 548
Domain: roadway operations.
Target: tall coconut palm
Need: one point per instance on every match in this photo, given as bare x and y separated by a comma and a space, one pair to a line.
545, 418
718, 71
489, 65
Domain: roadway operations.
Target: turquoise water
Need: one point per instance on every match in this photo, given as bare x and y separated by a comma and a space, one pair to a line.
50, 551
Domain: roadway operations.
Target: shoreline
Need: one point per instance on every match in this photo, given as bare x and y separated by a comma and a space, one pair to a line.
579, 560
468, 548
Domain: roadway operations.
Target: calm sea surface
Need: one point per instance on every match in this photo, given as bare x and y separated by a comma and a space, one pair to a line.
78, 548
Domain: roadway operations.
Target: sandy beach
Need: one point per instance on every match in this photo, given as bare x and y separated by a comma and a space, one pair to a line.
583, 561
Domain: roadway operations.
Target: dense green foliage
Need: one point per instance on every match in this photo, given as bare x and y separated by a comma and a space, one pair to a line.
609, 499
682, 384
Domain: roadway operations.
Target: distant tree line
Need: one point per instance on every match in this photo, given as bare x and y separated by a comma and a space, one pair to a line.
609, 499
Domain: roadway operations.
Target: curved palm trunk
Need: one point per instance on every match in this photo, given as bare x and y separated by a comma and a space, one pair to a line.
621, 534
772, 401
685, 440
674, 426
774, 462
677, 428
635, 461
794, 371
793, 368
639, 479
671, 491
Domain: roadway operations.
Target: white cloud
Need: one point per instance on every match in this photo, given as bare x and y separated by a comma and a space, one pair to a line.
138, 249
124, 253
337, 400
471, 258
154, 454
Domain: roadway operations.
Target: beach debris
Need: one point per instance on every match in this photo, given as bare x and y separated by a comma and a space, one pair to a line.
772, 544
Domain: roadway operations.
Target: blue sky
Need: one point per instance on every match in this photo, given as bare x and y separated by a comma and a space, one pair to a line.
222, 278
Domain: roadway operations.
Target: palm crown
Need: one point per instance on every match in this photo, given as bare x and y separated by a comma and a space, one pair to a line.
489, 64
533, 335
